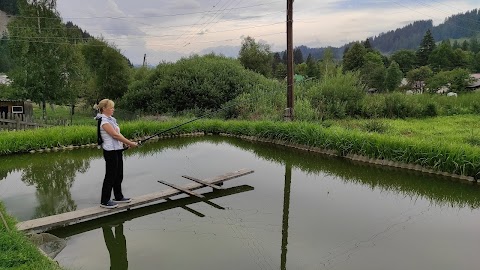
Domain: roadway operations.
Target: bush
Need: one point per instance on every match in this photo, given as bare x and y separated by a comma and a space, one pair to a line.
430, 110
198, 82
373, 106
375, 126
337, 96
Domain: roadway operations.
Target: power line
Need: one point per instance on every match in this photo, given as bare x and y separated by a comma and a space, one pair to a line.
140, 17
136, 36
119, 28
206, 23
158, 45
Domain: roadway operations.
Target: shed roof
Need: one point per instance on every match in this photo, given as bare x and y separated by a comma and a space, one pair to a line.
476, 81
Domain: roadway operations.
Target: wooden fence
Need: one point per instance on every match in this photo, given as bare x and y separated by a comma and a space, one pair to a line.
12, 121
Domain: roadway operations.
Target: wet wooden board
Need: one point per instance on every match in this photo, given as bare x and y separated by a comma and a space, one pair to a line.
69, 218
184, 190
202, 182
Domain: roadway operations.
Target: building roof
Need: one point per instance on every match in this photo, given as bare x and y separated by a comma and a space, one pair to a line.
476, 81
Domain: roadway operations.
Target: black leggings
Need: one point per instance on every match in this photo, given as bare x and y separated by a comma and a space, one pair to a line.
113, 175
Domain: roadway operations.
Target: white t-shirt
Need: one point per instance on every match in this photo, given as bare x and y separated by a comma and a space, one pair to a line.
109, 143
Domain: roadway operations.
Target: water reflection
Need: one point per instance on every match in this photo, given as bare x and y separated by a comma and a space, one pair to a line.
53, 174
116, 245
286, 210
438, 190
53, 179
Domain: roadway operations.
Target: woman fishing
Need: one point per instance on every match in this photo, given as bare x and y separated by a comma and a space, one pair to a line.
112, 142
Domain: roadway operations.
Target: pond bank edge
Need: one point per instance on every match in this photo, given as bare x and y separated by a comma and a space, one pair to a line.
353, 157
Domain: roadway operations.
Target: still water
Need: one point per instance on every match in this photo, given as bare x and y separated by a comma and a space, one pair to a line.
297, 211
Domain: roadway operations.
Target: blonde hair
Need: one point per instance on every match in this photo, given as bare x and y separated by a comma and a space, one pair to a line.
105, 103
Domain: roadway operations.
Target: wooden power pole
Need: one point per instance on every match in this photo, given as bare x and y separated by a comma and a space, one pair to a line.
288, 116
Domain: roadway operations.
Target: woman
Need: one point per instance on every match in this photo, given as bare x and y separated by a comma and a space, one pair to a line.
113, 145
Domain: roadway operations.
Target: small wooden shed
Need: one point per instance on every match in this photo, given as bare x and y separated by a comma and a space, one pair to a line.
16, 107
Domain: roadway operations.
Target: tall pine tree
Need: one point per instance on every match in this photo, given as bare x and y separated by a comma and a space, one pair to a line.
426, 48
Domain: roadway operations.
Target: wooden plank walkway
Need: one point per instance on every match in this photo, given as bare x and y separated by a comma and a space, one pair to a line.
69, 218
125, 216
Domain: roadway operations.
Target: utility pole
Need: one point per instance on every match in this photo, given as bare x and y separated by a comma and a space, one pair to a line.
288, 116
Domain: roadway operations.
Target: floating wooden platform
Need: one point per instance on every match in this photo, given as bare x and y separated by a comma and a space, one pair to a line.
69, 218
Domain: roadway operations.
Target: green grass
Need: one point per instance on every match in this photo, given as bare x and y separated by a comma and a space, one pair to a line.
17, 252
447, 144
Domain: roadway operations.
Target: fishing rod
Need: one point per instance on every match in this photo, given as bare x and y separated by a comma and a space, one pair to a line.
182, 124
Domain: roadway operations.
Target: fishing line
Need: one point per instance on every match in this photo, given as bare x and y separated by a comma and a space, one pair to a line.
185, 123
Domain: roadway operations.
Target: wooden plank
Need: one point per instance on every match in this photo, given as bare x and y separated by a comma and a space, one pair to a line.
64, 232
202, 182
186, 191
65, 219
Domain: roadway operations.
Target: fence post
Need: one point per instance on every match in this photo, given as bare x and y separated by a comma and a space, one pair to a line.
17, 119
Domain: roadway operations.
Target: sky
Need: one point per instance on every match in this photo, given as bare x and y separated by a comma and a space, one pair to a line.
166, 30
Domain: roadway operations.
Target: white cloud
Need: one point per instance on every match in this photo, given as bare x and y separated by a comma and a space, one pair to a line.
170, 29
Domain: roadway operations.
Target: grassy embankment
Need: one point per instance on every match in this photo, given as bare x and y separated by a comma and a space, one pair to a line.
16, 251
449, 144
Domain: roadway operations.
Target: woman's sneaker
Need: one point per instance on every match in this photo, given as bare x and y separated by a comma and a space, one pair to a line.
109, 205
124, 200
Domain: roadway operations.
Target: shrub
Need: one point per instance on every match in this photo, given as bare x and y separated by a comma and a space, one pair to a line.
430, 110
373, 106
375, 126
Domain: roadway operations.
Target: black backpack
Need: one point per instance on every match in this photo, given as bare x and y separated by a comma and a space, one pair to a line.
99, 137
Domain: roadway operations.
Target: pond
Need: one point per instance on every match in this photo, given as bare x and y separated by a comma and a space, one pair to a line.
298, 210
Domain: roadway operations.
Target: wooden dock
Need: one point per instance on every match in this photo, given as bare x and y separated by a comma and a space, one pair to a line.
74, 217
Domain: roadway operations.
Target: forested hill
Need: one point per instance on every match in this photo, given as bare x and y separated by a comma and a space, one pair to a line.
409, 37
463, 25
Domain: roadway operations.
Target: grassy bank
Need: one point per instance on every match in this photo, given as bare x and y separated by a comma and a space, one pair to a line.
449, 144
16, 251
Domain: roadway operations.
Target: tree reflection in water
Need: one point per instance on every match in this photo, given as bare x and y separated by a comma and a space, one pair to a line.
53, 177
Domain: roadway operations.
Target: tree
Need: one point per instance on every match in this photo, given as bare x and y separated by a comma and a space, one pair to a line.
256, 56
455, 45
457, 80
5, 58
406, 59
354, 59
373, 71
280, 72
108, 67
419, 75
277, 59
441, 57
474, 45
46, 66
394, 76
426, 47
297, 56
367, 45
312, 68
327, 66
465, 45
476, 63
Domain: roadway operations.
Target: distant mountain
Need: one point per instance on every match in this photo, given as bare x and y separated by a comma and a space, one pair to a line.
462, 25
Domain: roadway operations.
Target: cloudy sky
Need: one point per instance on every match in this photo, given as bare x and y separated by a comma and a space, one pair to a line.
166, 30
